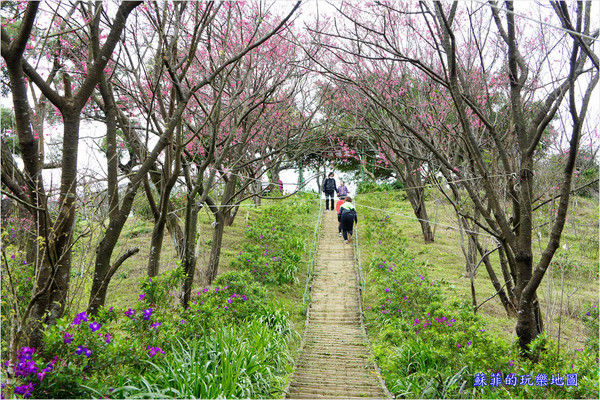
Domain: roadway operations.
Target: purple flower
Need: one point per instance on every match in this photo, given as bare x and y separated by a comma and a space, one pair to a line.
67, 337
156, 325
459, 345
147, 314
152, 351
79, 318
110, 309
84, 350
469, 343
94, 326
130, 312
25, 390
416, 321
26, 353
43, 373
230, 301
511, 363
107, 338
142, 296
26, 368
482, 330
405, 298
387, 290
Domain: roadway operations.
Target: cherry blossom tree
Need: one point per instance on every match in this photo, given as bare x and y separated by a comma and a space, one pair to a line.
53, 267
497, 83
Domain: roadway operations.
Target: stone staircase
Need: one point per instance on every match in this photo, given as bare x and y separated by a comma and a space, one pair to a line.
335, 361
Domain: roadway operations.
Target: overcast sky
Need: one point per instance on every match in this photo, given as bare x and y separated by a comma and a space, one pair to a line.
93, 164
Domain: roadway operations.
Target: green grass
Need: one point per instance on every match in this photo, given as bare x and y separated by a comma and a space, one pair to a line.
444, 262
428, 343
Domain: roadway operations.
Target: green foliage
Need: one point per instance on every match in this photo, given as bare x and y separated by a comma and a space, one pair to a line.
224, 305
232, 341
158, 289
141, 207
590, 320
136, 228
17, 287
372, 187
273, 252
233, 362
431, 346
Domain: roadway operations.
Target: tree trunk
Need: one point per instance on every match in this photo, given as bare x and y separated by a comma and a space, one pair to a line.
103, 270
188, 262
158, 233
220, 217
508, 275
230, 217
215, 249
258, 191
56, 274
416, 197
509, 306
172, 223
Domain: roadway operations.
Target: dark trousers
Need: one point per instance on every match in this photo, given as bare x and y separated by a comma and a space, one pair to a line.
347, 225
329, 195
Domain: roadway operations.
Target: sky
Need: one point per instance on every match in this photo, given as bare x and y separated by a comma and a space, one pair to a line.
92, 163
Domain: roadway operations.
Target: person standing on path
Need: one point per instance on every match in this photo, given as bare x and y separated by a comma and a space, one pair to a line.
342, 191
329, 187
347, 217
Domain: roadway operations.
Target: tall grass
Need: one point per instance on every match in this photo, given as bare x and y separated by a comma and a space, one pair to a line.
227, 363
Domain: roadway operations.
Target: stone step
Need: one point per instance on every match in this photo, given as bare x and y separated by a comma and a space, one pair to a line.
366, 385
315, 374
318, 396
330, 392
335, 365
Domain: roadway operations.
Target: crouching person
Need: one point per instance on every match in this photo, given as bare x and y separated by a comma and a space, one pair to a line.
347, 217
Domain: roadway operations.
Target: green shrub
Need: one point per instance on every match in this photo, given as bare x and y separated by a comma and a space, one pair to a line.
432, 346
233, 362
590, 320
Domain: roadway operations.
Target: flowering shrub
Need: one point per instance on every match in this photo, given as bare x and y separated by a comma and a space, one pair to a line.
16, 276
590, 320
234, 328
234, 298
431, 346
157, 290
274, 250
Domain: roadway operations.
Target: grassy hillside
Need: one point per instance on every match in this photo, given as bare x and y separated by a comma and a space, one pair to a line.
573, 275
419, 314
